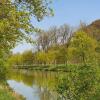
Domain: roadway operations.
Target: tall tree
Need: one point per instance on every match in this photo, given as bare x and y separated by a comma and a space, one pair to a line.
15, 20
83, 47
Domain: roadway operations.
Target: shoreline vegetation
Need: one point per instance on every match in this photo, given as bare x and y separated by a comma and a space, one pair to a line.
83, 79
6, 93
52, 67
60, 48
77, 54
15, 26
64, 48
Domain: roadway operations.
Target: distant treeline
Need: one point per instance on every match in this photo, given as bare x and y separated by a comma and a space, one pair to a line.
62, 46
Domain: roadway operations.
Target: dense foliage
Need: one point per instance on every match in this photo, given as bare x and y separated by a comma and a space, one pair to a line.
60, 46
60, 49
15, 20
15, 16
77, 52
15, 26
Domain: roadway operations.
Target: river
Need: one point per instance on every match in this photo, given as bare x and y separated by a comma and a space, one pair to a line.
34, 85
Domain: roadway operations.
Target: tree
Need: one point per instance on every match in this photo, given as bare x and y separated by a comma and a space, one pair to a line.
51, 56
27, 58
84, 47
15, 20
41, 57
64, 32
14, 61
43, 41
38, 8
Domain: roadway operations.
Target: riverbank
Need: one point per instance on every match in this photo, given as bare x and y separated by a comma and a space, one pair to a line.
7, 94
52, 67
44, 84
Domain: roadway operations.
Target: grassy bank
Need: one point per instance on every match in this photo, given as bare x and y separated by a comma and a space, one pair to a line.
58, 67
7, 94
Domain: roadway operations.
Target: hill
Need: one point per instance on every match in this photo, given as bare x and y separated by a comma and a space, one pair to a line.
94, 29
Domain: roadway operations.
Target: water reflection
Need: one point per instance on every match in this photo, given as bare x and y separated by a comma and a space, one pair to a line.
26, 91
33, 85
37, 85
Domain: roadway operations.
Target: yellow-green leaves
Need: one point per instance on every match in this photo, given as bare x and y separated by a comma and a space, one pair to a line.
83, 46
15, 20
38, 8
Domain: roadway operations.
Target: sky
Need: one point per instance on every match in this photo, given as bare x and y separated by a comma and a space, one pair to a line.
69, 12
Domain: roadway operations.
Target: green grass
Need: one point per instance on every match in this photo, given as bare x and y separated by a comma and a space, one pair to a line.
7, 94
59, 67
4, 95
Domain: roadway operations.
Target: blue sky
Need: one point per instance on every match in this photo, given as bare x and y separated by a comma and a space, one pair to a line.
67, 11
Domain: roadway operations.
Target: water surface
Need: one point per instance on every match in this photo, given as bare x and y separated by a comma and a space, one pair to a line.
34, 85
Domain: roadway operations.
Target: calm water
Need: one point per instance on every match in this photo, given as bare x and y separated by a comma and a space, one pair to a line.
34, 85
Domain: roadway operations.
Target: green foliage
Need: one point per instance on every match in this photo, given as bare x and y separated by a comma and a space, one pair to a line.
7, 94
15, 26
41, 57
80, 84
39, 8
27, 58
82, 58
51, 55
11, 26
2, 75
15, 20
61, 55
83, 47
